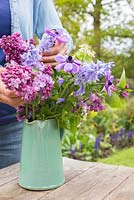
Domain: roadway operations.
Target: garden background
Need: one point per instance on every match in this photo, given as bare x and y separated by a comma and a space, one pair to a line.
108, 27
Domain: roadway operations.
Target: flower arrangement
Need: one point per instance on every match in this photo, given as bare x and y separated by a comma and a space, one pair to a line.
75, 87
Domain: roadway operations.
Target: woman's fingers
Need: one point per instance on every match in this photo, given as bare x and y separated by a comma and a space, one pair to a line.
55, 50
50, 60
14, 102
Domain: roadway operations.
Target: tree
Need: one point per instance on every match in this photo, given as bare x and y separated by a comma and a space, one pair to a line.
101, 24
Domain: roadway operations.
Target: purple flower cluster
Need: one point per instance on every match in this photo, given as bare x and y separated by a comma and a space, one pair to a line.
43, 84
93, 103
20, 79
26, 83
92, 72
50, 37
13, 46
68, 64
32, 58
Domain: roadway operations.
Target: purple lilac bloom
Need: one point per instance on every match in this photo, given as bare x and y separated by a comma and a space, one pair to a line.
60, 100
13, 46
20, 79
109, 82
32, 58
58, 34
43, 84
60, 81
46, 43
96, 104
68, 64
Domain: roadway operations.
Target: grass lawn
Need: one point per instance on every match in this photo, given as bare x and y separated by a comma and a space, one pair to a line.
124, 157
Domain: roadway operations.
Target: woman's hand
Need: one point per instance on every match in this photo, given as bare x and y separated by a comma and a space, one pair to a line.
49, 57
7, 96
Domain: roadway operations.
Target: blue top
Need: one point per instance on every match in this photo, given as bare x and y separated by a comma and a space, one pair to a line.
6, 112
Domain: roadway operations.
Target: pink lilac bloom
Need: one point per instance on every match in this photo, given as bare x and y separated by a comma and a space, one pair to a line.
13, 46
124, 94
68, 64
20, 79
95, 103
92, 104
47, 69
109, 82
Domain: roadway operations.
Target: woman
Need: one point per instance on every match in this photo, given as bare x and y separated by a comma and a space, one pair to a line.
28, 17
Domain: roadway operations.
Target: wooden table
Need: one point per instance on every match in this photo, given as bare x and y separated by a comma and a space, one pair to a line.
84, 181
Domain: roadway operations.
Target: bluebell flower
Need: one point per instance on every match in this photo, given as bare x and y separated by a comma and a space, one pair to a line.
115, 136
130, 134
72, 150
97, 143
80, 91
60, 81
60, 100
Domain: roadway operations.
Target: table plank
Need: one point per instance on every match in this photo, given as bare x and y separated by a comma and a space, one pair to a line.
11, 190
125, 191
92, 184
8, 174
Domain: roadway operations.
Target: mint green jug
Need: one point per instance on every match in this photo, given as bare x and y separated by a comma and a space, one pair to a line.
41, 165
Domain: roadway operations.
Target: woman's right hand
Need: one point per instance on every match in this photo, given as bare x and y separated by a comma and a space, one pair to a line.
7, 96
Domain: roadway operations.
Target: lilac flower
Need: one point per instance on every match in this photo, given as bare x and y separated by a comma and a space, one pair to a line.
32, 58
60, 81
58, 34
14, 47
43, 84
46, 43
109, 82
60, 100
20, 79
95, 104
68, 64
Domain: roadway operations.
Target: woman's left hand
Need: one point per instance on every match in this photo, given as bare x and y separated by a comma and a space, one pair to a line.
49, 57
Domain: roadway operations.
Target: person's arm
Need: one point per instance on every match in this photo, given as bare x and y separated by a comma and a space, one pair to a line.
48, 18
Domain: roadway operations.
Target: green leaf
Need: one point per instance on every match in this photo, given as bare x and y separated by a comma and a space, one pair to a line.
122, 82
115, 101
